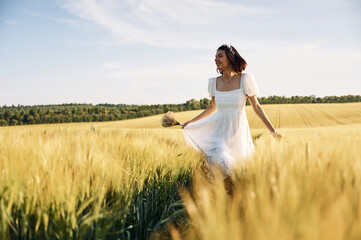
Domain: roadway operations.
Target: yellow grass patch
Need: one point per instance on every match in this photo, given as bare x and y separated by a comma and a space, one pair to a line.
281, 116
307, 187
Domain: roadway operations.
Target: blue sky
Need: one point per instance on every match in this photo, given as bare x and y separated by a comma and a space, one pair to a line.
162, 51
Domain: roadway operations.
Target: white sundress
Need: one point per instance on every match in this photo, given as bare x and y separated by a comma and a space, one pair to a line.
224, 137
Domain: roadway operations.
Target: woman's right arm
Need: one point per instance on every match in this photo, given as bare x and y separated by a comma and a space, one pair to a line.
210, 110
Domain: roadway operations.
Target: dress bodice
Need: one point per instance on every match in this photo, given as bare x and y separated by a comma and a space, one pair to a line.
234, 100
230, 101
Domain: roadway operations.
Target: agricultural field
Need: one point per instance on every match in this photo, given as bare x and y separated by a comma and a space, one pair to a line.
133, 179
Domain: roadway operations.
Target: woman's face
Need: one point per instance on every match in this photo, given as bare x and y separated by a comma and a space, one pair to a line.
221, 60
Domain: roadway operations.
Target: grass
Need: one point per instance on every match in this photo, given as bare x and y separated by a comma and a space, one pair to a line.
58, 181
281, 115
130, 179
306, 188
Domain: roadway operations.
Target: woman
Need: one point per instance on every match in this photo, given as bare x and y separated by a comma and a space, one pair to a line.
221, 131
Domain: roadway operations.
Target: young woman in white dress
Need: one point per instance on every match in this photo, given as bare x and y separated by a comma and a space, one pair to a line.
221, 131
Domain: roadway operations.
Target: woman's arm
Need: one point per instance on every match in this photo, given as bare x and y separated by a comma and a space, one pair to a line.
210, 110
262, 115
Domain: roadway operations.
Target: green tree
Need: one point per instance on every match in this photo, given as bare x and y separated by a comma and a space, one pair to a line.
3, 122
14, 122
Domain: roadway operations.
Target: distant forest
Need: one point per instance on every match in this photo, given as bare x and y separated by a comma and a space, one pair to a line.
67, 113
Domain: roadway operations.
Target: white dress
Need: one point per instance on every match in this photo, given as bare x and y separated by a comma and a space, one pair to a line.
224, 137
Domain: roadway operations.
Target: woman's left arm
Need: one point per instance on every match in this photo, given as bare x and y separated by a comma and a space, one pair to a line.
262, 115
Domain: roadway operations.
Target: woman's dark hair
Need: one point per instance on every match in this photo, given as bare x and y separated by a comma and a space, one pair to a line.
237, 62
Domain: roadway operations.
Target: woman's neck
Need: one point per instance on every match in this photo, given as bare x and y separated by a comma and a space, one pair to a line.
227, 75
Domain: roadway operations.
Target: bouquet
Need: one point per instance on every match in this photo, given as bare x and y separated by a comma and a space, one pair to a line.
169, 120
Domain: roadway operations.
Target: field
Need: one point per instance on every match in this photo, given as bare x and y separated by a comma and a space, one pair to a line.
134, 179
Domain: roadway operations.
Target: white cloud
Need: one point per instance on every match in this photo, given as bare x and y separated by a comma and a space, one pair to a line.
191, 13
111, 65
10, 22
165, 23
162, 75
73, 22
305, 69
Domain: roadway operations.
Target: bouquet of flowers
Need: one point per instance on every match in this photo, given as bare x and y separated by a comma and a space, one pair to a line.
169, 120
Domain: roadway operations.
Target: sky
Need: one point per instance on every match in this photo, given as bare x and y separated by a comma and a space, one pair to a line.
162, 51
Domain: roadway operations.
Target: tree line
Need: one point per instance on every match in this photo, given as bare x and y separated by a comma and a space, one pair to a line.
67, 113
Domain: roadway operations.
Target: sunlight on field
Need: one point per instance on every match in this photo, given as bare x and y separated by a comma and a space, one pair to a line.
121, 180
64, 175
306, 188
281, 115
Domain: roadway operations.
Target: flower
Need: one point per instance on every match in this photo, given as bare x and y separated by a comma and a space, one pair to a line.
169, 120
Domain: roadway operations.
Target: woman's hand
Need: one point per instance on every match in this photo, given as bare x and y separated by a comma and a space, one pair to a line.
210, 110
276, 135
185, 124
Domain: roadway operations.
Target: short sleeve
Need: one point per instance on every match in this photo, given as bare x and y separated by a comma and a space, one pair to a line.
250, 85
211, 86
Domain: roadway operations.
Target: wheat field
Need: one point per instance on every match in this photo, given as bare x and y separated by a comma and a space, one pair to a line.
134, 179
